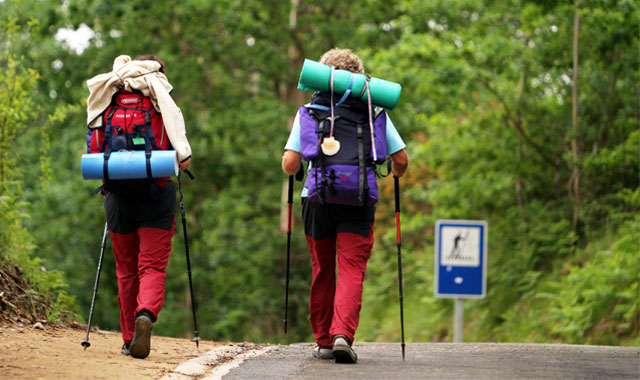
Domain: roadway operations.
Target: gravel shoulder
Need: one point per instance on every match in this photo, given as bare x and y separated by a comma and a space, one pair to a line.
55, 353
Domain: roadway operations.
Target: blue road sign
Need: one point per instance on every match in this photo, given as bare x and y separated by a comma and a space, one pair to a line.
460, 263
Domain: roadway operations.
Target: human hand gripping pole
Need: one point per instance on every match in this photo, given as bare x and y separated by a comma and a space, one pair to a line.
196, 338
85, 343
396, 188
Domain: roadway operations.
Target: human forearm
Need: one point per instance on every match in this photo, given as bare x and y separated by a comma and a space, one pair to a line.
399, 163
291, 162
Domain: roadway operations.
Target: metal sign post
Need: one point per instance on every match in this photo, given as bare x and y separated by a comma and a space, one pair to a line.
458, 310
460, 264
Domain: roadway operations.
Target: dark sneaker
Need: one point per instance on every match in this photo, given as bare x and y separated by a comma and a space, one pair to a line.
141, 342
342, 351
125, 349
322, 352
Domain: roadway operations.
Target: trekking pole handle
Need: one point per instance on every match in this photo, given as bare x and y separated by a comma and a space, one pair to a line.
396, 190
290, 190
300, 173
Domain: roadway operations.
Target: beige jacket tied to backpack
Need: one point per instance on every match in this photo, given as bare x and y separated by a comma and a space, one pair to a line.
145, 77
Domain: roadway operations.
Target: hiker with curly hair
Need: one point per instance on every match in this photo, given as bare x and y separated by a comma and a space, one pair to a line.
343, 139
130, 108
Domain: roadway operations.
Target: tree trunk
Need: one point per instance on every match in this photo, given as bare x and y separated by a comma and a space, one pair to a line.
293, 96
519, 179
574, 190
296, 58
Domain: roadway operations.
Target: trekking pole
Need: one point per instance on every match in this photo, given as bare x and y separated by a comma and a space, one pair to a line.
286, 292
85, 343
396, 187
196, 338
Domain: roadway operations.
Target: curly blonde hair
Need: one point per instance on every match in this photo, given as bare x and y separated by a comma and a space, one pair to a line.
343, 59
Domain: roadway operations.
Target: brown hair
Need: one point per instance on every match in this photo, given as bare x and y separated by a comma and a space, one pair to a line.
343, 59
150, 57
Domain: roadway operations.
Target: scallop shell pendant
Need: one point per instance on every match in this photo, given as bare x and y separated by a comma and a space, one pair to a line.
330, 146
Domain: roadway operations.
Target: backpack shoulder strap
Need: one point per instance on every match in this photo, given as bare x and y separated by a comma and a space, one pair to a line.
312, 108
317, 107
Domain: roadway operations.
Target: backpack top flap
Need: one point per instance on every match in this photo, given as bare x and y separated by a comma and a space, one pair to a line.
132, 99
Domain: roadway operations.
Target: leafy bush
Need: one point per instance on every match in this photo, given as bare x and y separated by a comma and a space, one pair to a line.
41, 294
595, 300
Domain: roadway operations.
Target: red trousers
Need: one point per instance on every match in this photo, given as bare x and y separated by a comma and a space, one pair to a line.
141, 230
141, 260
334, 305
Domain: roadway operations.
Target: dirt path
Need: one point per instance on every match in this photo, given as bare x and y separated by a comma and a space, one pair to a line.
55, 354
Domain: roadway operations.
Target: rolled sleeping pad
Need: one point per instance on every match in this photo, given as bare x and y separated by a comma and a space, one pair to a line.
130, 164
316, 76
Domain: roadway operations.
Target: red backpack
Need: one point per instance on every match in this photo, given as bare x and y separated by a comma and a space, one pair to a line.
130, 123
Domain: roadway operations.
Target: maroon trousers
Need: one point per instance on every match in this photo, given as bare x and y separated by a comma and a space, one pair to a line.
341, 235
141, 232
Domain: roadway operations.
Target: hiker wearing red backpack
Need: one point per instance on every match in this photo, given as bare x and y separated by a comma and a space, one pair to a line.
343, 139
130, 109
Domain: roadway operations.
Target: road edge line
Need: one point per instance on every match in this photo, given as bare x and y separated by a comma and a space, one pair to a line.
223, 369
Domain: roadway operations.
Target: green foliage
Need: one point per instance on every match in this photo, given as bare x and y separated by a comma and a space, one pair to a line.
486, 113
486, 95
17, 112
597, 297
16, 104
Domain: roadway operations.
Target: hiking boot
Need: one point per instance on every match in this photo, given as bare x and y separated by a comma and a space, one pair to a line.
322, 352
342, 351
141, 342
125, 349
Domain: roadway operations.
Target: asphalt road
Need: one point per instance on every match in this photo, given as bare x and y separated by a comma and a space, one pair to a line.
446, 361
